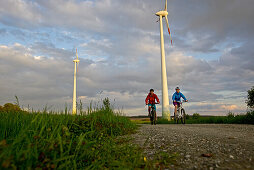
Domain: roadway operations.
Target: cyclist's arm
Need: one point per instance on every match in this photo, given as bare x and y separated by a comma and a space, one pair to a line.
157, 99
173, 97
147, 99
183, 96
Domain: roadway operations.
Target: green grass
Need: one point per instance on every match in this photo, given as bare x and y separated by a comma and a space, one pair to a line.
248, 118
62, 141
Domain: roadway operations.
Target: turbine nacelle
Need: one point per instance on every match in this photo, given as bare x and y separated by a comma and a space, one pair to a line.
76, 60
162, 13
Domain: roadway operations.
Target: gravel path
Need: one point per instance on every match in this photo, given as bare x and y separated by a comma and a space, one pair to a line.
200, 146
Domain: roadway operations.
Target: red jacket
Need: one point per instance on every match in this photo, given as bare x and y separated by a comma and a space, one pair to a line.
150, 99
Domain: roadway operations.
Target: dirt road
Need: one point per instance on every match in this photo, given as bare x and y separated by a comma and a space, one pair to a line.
204, 146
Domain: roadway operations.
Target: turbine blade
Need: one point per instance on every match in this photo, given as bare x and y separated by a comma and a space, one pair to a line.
77, 53
165, 5
166, 18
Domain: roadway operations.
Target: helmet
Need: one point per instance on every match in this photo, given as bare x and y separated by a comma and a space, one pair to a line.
151, 90
177, 88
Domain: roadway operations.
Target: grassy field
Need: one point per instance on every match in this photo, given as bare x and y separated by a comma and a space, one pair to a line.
63, 141
248, 118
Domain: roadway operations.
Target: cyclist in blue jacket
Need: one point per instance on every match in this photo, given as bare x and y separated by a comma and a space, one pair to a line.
176, 98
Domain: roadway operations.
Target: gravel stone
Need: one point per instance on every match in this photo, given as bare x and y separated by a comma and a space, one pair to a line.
225, 146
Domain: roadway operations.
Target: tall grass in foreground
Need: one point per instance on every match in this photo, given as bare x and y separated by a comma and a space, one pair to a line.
248, 118
62, 141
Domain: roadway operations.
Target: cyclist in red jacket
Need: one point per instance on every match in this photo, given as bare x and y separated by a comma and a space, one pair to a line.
150, 101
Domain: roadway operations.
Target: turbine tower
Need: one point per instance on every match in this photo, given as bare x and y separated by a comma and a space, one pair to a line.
165, 100
74, 104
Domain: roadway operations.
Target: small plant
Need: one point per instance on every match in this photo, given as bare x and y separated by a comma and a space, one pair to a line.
106, 104
80, 107
196, 115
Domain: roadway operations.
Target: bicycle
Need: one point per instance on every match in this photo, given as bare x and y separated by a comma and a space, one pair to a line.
152, 115
180, 114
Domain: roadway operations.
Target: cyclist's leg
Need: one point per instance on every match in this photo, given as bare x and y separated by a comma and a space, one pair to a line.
175, 108
149, 110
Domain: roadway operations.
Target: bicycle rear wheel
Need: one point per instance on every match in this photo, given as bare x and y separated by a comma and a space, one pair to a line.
183, 119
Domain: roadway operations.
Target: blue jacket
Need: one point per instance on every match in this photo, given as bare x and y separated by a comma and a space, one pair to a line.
177, 97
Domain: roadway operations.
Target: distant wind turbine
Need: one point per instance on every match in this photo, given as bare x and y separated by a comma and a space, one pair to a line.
165, 100
74, 104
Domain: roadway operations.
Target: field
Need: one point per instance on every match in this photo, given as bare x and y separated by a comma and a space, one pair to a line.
247, 118
43, 140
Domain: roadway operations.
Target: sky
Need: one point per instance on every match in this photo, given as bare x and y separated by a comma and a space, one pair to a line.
118, 43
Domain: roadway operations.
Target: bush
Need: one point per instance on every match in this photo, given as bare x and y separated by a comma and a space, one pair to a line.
196, 115
250, 98
230, 115
9, 107
187, 116
250, 117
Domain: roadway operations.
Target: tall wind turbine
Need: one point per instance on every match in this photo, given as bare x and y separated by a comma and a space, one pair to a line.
74, 104
164, 82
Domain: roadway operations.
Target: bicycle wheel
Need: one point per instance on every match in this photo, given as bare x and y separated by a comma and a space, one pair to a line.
154, 118
174, 117
151, 117
183, 119
178, 113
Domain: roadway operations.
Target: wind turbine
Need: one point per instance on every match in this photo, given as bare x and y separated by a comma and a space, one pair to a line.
74, 104
165, 100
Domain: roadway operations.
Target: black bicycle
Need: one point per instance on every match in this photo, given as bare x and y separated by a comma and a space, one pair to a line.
152, 114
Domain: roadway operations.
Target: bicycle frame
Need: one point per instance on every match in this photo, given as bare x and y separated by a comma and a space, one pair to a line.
179, 108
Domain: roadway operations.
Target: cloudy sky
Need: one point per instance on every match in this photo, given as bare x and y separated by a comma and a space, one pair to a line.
212, 58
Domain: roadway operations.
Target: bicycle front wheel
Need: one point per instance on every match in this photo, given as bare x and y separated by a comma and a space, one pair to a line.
174, 117
151, 117
183, 119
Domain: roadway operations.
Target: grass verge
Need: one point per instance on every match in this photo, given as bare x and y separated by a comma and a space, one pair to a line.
62, 141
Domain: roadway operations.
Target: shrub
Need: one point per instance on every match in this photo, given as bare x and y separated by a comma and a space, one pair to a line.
250, 117
187, 116
196, 115
9, 107
230, 115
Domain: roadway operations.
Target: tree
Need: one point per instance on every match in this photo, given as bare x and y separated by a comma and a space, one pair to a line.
250, 98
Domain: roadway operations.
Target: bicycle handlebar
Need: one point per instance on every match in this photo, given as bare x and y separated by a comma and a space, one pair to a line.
180, 101
152, 103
